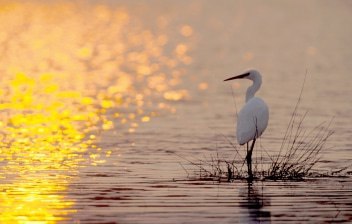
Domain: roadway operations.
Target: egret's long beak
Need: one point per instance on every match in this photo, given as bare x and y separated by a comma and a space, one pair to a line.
238, 77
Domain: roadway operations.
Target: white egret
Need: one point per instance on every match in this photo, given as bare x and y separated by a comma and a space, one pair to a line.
253, 118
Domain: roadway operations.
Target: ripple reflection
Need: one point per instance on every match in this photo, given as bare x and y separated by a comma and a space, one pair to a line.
254, 201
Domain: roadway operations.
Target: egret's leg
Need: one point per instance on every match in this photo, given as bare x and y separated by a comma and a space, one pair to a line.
249, 159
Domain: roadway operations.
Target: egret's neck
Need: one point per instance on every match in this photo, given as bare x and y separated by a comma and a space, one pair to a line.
257, 82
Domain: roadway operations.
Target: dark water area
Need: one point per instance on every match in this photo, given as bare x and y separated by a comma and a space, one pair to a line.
138, 86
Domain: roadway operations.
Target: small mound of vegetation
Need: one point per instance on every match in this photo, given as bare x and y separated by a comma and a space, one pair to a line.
300, 151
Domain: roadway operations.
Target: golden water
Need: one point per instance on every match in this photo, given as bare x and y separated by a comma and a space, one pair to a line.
64, 67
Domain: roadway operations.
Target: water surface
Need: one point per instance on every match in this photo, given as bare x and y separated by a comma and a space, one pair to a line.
100, 100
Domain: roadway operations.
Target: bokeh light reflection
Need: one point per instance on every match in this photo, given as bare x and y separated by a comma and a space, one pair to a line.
68, 71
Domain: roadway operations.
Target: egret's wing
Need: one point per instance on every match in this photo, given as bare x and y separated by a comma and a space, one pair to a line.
252, 120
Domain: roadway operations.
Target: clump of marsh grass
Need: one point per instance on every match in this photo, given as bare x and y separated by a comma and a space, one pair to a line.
300, 149
214, 168
299, 152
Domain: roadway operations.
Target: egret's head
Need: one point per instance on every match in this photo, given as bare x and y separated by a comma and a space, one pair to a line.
251, 74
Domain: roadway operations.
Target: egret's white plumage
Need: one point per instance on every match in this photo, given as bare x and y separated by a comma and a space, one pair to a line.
253, 118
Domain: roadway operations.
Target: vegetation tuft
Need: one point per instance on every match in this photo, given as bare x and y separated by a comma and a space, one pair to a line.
300, 149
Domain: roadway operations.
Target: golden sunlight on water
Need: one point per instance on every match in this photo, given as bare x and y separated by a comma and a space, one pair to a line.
68, 71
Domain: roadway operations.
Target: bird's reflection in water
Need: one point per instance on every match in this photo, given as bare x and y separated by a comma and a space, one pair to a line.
254, 202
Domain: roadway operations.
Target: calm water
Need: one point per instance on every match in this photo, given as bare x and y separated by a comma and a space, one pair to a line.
100, 100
